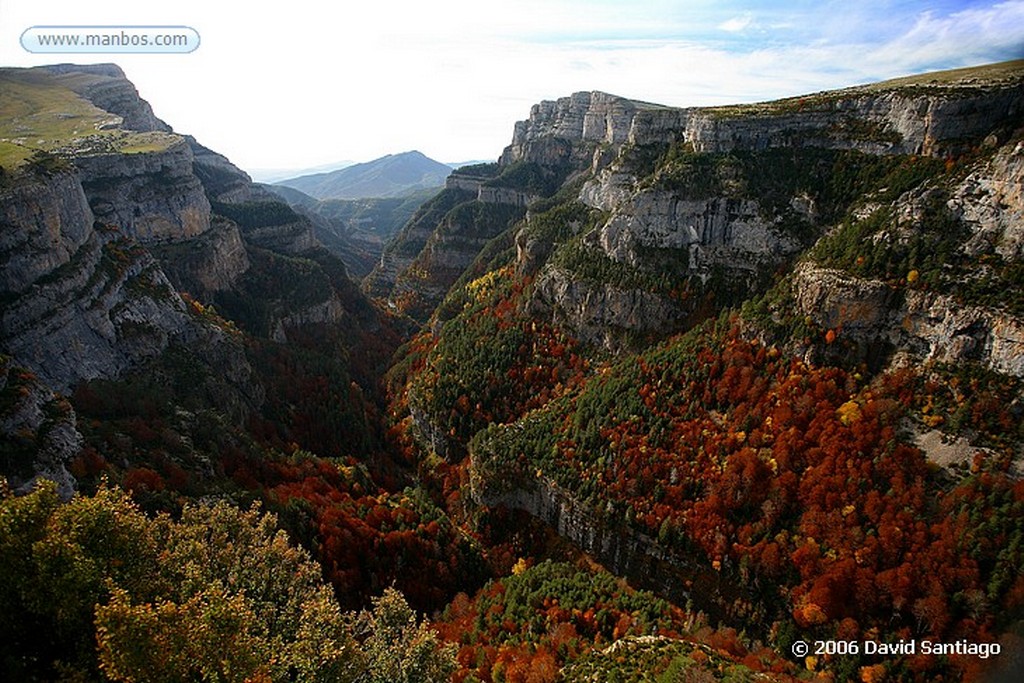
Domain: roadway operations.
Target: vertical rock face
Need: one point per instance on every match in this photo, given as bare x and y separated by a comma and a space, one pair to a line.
933, 121
210, 263
83, 297
926, 324
602, 313
691, 237
105, 311
43, 223
990, 201
921, 121
663, 243
887, 118
719, 230
587, 117
488, 194
103, 232
574, 130
151, 196
723, 228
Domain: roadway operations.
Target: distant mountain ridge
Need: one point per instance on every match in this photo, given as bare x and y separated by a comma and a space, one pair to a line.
394, 175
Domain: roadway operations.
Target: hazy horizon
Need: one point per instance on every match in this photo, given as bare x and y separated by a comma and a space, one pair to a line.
306, 86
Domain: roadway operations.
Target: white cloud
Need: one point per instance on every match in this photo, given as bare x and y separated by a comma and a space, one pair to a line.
737, 24
966, 36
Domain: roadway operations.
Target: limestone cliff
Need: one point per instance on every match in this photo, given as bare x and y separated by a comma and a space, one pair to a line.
930, 115
568, 130
687, 185
108, 311
84, 299
151, 196
990, 201
43, 223
486, 193
684, 191
209, 263
968, 311
116, 232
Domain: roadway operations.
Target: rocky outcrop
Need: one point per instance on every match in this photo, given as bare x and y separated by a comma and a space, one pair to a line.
381, 280
221, 260
602, 313
43, 223
396, 259
885, 118
609, 188
466, 183
295, 237
489, 194
104, 312
722, 231
80, 303
151, 196
928, 325
688, 244
330, 312
84, 302
43, 428
436, 246
990, 201
209, 263
567, 130
505, 195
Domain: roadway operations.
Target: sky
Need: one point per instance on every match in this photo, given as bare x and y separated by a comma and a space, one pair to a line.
302, 84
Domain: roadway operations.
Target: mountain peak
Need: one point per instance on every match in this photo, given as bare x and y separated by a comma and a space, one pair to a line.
393, 175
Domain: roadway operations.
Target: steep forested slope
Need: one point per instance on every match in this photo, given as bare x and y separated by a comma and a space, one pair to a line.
761, 363
835, 451
172, 329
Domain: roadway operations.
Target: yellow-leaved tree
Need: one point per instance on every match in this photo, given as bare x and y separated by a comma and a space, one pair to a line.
94, 587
